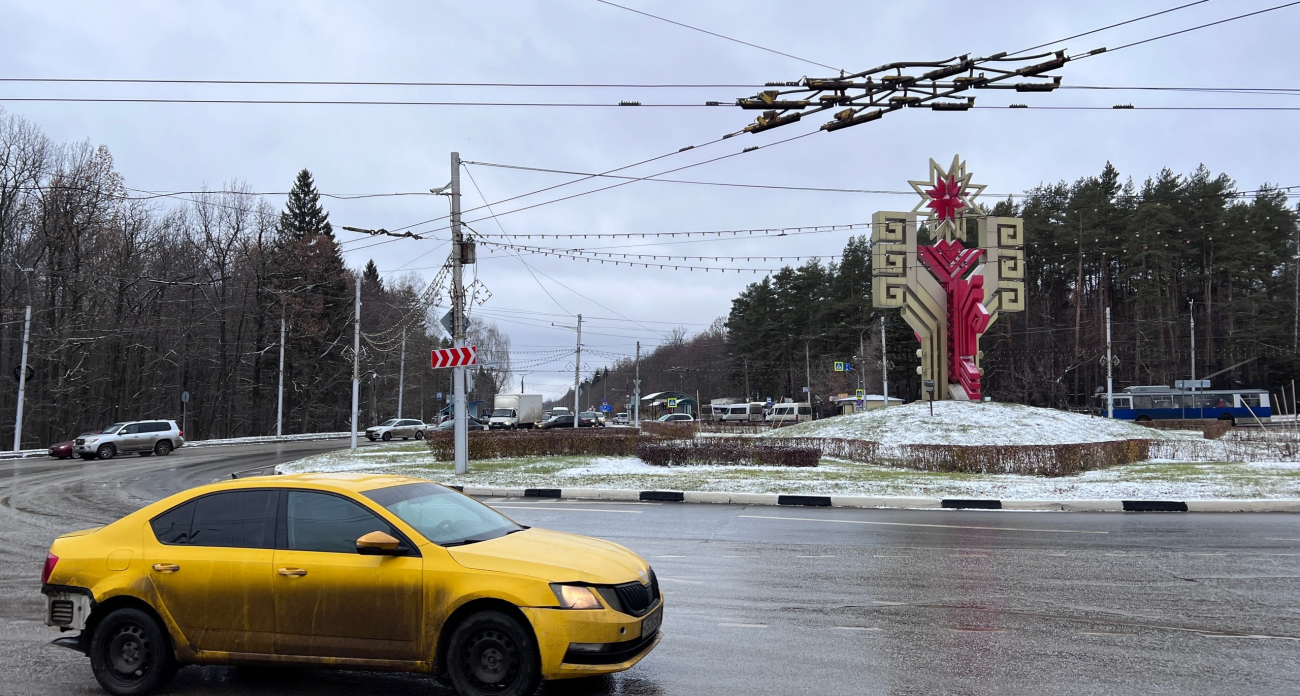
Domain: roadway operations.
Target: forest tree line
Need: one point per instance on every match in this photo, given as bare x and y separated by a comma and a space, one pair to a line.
137, 299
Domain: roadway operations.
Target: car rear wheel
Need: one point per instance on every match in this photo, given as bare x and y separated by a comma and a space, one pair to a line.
490, 653
163, 448
130, 654
419, 434
106, 452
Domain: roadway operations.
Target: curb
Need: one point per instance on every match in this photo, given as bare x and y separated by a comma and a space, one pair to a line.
843, 501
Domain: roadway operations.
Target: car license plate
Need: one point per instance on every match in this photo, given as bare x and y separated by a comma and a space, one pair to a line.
650, 624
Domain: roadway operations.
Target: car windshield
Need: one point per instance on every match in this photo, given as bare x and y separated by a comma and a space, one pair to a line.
390, 421
443, 516
111, 429
503, 413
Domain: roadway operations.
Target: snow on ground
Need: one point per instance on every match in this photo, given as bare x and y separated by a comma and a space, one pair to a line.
1159, 480
970, 423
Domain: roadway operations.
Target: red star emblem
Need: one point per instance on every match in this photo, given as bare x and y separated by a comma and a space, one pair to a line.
945, 198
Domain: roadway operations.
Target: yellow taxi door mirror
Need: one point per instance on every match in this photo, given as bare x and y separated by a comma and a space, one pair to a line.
377, 544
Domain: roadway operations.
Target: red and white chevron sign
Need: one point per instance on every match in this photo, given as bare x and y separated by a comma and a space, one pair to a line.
455, 357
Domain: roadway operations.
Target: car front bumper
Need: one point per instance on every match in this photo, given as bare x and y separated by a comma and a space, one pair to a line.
618, 635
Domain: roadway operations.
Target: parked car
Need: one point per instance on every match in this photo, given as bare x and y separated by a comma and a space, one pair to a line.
790, 413
565, 422
142, 437
676, 418
405, 428
473, 424
621, 419
62, 450
364, 572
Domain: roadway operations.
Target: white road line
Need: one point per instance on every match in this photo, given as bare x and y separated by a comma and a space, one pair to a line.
688, 582
968, 555
1279, 539
743, 625
670, 557
1105, 633
814, 556
1190, 553
568, 509
855, 628
750, 556
594, 502
875, 555
916, 524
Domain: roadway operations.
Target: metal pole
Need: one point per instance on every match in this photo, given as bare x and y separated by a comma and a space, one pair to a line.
459, 410
807, 367
577, 368
1110, 384
636, 389
884, 365
356, 361
279, 399
747, 396
1191, 316
22, 381
401, 376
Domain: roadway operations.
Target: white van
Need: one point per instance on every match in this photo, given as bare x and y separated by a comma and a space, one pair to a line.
790, 413
743, 413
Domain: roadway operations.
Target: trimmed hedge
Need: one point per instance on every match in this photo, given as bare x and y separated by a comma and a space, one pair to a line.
501, 444
725, 451
669, 431
1028, 460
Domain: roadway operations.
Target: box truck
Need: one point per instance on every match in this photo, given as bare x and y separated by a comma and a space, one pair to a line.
510, 411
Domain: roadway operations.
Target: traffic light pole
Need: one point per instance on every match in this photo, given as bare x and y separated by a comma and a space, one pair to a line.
459, 411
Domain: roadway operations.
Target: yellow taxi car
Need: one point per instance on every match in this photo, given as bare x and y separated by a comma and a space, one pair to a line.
349, 571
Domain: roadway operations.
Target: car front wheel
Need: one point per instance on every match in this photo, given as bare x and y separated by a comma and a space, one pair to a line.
387, 437
491, 653
129, 654
419, 434
106, 452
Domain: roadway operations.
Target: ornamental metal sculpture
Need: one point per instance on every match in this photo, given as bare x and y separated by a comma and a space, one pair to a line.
949, 294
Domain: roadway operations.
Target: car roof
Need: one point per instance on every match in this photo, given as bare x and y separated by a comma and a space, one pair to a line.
337, 481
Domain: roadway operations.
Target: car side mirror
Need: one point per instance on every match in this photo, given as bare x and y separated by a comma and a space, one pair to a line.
378, 544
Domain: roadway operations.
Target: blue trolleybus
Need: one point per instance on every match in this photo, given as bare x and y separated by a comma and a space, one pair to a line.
1144, 404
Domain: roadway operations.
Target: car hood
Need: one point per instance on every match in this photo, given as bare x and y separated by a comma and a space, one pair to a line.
554, 557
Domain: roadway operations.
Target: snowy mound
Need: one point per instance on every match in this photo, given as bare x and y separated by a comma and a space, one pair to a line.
969, 423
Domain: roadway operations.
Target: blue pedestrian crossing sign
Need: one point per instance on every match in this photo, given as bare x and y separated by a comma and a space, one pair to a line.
861, 394
839, 366
672, 403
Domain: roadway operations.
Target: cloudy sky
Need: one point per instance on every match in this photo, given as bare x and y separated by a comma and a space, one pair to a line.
355, 149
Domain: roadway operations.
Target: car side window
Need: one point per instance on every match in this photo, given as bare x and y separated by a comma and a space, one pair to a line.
324, 522
240, 519
131, 429
158, 427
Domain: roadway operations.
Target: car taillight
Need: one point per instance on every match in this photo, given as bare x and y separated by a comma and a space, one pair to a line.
181, 433
50, 561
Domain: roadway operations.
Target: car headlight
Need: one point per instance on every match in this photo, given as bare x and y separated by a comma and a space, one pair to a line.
575, 596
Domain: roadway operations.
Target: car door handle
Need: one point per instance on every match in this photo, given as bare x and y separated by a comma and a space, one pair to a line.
166, 567
292, 572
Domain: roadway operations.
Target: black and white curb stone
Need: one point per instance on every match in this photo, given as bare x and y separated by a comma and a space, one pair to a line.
853, 501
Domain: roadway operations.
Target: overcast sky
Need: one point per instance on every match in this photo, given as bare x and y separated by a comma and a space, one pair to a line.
385, 149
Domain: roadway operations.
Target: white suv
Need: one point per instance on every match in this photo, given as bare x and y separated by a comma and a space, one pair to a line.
147, 437
404, 428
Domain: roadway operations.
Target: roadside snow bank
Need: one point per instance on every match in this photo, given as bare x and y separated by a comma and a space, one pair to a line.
971, 423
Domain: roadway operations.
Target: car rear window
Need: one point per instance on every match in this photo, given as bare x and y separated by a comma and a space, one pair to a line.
242, 519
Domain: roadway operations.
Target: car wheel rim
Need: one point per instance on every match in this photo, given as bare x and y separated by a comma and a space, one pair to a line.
493, 660
129, 652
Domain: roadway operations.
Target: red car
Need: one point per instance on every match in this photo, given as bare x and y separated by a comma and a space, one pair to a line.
62, 450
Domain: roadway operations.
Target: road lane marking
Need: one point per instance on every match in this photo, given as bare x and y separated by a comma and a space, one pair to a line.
569, 509
688, 582
917, 524
743, 625
876, 555
1105, 633
1190, 553
855, 628
594, 502
1279, 539
968, 555
749, 556
670, 557
814, 556
980, 630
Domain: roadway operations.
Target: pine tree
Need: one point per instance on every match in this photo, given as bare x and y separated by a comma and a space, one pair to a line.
303, 215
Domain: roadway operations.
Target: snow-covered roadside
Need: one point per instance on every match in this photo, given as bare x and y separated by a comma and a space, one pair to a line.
1147, 481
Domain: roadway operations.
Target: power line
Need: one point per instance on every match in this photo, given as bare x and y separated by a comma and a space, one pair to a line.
1111, 26
720, 36
1195, 28
339, 102
374, 83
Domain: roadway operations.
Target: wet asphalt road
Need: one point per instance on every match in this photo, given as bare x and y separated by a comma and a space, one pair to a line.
767, 600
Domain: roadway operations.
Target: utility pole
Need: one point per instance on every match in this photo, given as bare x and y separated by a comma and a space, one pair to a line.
401, 375
1191, 317
22, 366
1110, 384
577, 368
747, 396
279, 398
356, 361
459, 411
884, 365
807, 367
636, 389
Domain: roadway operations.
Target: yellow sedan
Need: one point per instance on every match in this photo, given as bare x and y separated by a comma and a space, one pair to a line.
348, 571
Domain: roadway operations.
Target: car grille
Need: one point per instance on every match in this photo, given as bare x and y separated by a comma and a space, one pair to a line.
81, 441
61, 612
637, 598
